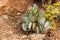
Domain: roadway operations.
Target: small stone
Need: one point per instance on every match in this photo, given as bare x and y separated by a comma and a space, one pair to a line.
24, 36
3, 3
4, 39
18, 14
5, 16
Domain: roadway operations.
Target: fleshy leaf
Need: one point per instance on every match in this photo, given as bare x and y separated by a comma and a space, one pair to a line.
42, 20
32, 19
25, 27
26, 19
35, 8
47, 25
42, 13
30, 10
40, 28
30, 25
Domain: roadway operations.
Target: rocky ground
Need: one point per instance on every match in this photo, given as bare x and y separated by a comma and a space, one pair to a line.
10, 26
10, 23
9, 32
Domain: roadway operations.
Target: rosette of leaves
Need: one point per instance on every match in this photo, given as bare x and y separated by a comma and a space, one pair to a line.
35, 20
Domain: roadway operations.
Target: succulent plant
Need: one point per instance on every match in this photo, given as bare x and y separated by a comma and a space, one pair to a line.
37, 20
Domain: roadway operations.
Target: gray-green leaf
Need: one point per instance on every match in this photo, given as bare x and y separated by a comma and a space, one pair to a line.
40, 28
30, 25
32, 19
42, 20
35, 8
26, 19
30, 10
25, 27
42, 13
47, 25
